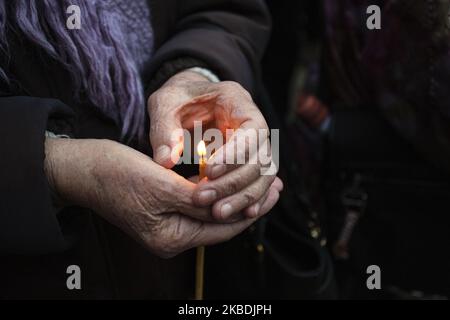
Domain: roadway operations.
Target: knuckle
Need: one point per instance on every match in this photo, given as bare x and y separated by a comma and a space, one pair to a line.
235, 87
231, 85
170, 90
231, 187
157, 98
249, 198
262, 124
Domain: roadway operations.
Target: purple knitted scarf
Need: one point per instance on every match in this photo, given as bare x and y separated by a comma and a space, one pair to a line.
96, 56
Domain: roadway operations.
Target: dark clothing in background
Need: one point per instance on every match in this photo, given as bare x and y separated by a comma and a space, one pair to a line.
386, 92
403, 69
38, 241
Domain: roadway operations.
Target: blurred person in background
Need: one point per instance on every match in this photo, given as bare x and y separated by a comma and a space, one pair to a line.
368, 113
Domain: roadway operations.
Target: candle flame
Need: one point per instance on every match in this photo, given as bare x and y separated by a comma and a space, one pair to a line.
201, 149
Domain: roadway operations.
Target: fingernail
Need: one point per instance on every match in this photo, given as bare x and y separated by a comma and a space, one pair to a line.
207, 196
226, 210
218, 170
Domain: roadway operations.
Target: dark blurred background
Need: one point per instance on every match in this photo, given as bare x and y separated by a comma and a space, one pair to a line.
364, 121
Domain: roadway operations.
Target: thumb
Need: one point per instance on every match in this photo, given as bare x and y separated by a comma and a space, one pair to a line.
167, 139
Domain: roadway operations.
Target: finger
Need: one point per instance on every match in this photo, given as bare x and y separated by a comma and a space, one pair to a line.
199, 213
237, 202
278, 184
211, 233
207, 215
270, 202
232, 219
241, 148
253, 210
209, 191
178, 196
167, 138
183, 202
179, 233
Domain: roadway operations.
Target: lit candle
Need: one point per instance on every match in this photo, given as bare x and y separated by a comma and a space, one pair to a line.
201, 150
200, 260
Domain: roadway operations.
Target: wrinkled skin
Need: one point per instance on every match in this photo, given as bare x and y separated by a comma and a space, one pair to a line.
230, 189
165, 212
152, 204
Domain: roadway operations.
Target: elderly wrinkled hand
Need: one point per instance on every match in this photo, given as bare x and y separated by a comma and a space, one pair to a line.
231, 188
149, 202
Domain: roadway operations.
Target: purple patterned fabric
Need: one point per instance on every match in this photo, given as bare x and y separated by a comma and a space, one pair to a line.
135, 21
104, 57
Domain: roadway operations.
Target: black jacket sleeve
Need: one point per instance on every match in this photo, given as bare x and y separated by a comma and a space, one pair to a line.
228, 36
28, 221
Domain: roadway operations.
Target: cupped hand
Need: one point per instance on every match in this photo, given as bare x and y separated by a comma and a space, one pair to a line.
149, 202
233, 187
